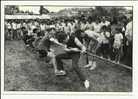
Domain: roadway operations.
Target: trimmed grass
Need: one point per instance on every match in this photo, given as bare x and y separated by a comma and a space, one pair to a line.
24, 71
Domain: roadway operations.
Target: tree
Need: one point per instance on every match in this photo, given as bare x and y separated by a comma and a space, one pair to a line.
43, 10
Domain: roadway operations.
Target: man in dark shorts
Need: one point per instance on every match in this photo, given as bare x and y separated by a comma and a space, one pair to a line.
44, 46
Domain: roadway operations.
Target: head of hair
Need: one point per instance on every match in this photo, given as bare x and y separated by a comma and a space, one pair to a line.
104, 27
119, 29
23, 28
35, 30
78, 34
61, 37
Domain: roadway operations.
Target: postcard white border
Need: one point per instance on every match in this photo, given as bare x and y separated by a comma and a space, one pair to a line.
77, 3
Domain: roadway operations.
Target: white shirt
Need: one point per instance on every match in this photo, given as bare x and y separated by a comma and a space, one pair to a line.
106, 23
89, 26
129, 31
18, 25
83, 26
118, 40
63, 24
66, 29
92, 34
104, 37
32, 27
61, 27
14, 25
43, 27
97, 27
25, 25
36, 23
72, 28
8, 25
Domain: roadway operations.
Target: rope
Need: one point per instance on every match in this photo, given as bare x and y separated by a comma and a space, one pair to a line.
122, 65
104, 59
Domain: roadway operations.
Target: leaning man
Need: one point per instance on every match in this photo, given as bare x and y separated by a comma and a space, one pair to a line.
72, 50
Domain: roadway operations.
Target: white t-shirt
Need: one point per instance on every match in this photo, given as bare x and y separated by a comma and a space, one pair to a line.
92, 34
72, 28
43, 27
104, 37
97, 27
25, 25
129, 31
63, 24
32, 27
18, 25
61, 27
118, 40
66, 29
36, 23
106, 23
82, 26
89, 26
52, 26
8, 25
14, 26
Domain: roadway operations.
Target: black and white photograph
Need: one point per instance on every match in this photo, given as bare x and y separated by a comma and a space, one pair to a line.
68, 48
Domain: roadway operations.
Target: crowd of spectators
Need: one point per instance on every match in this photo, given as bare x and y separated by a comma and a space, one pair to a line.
114, 40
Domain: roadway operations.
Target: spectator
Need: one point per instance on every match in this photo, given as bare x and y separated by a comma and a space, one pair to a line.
117, 45
105, 45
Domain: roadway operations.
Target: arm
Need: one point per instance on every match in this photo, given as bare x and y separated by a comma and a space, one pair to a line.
56, 42
83, 48
122, 39
93, 35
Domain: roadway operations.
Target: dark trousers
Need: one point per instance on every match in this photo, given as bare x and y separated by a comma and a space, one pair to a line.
117, 54
75, 59
105, 50
129, 55
14, 34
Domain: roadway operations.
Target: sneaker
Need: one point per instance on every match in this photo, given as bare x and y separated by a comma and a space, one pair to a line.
60, 72
118, 62
88, 65
101, 56
86, 84
27, 45
93, 66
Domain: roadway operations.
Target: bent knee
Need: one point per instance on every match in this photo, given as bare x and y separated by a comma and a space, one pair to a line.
51, 54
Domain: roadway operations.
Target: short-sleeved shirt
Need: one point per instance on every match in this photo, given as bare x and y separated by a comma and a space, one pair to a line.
8, 26
129, 31
92, 34
97, 27
14, 25
18, 26
43, 27
118, 40
66, 29
106, 23
105, 37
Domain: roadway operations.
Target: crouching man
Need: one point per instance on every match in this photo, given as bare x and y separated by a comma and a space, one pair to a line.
72, 50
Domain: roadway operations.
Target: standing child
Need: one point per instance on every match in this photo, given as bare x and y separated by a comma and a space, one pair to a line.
117, 45
105, 45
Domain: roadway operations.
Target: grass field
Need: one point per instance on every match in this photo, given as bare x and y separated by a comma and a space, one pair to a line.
24, 71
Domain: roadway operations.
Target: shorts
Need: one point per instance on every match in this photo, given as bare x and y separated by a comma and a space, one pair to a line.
93, 45
44, 53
